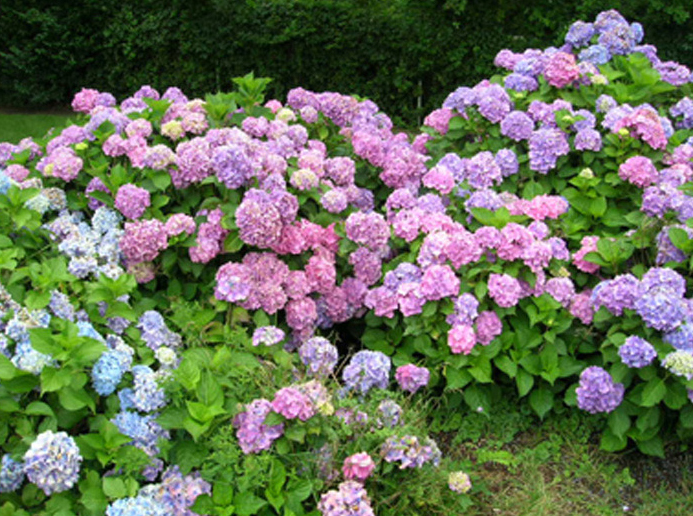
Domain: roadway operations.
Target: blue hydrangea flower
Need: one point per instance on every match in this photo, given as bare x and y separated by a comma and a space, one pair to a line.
144, 431
52, 462
137, 506
107, 373
5, 183
147, 396
11, 474
61, 307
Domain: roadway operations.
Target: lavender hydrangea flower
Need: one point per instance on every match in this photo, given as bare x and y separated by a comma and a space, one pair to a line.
253, 434
367, 369
52, 462
319, 355
410, 452
389, 414
598, 392
681, 338
637, 352
661, 308
267, 335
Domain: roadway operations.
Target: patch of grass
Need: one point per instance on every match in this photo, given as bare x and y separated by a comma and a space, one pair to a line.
16, 126
524, 467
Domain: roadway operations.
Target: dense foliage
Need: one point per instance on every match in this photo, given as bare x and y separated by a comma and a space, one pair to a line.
204, 303
50, 50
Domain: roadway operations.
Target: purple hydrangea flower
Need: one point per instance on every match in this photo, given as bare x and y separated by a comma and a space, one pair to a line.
598, 392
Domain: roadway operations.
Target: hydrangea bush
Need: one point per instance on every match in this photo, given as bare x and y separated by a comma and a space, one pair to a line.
533, 237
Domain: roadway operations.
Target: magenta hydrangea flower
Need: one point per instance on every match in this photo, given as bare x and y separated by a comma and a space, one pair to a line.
438, 282
411, 378
132, 201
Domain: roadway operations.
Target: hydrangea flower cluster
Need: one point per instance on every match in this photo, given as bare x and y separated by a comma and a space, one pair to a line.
358, 466
411, 378
597, 391
637, 352
366, 370
253, 435
11, 474
52, 462
410, 452
459, 482
319, 355
350, 499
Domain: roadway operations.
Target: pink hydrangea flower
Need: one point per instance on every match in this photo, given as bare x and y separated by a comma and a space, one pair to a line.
411, 378
589, 245
292, 403
639, 171
462, 339
561, 70
358, 466
439, 119
132, 201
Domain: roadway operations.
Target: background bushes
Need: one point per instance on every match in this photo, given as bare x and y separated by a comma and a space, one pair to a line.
404, 54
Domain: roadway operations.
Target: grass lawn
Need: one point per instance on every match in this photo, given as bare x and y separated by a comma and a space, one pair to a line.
15, 126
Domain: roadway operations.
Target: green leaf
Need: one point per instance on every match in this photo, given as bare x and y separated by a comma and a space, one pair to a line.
54, 379
75, 399
505, 364
7, 369
612, 443
38, 408
653, 392
456, 378
209, 392
114, 487
524, 382
619, 422
296, 433
188, 374
654, 446
222, 494
248, 504
541, 401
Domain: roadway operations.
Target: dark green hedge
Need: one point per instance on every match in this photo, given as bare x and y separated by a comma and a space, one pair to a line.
393, 51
